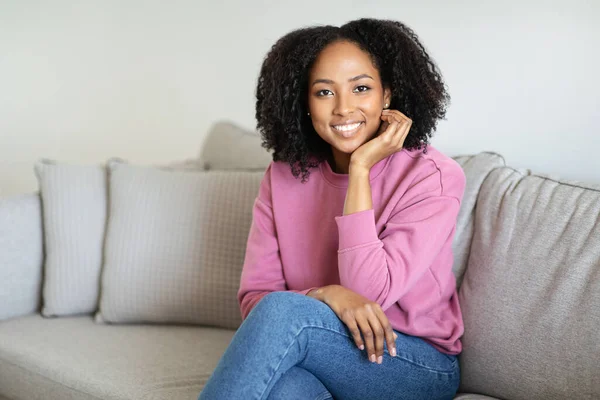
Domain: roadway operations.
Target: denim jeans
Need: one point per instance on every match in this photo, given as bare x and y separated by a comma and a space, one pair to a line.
292, 346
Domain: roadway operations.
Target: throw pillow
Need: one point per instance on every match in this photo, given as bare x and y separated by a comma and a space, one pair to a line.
74, 217
175, 244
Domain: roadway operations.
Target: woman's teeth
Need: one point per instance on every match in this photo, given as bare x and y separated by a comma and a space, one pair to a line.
348, 129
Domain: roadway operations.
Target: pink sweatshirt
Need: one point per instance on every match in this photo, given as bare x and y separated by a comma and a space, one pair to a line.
398, 254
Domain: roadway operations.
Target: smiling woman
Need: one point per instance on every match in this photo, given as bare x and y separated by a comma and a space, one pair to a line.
347, 288
346, 97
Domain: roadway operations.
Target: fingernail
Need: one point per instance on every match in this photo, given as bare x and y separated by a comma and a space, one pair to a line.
379, 360
395, 336
372, 358
393, 352
362, 347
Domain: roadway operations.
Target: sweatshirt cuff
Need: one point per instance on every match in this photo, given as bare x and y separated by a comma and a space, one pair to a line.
356, 229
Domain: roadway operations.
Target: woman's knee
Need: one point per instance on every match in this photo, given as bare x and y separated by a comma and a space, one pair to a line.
291, 312
283, 303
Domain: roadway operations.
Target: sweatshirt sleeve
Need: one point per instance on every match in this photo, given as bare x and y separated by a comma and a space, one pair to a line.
383, 268
262, 272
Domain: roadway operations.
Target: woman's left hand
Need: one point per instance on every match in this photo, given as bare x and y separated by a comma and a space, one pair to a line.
388, 140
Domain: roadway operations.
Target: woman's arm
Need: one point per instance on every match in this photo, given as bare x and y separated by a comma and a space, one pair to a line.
358, 195
384, 266
262, 272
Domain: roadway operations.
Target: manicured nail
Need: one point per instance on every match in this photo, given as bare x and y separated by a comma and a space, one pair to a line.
372, 358
379, 360
362, 347
393, 352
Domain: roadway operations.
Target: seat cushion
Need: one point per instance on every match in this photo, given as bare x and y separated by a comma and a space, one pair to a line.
76, 358
531, 292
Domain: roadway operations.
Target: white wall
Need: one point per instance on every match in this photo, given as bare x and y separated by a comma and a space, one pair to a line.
144, 80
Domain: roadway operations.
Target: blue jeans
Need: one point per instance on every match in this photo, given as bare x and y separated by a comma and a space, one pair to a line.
292, 346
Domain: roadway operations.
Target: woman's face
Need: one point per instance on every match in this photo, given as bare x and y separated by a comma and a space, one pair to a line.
345, 97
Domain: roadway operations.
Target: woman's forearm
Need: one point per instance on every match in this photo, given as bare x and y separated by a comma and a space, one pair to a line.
358, 195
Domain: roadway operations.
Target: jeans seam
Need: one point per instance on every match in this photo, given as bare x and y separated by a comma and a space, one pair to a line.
291, 344
444, 372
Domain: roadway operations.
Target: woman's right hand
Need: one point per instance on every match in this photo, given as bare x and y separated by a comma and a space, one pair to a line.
360, 316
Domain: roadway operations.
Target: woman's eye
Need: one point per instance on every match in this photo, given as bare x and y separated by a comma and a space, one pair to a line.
361, 88
324, 92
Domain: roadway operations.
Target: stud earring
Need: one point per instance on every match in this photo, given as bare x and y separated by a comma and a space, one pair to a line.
386, 105
308, 113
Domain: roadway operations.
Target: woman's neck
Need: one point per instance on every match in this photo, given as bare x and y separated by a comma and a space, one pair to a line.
339, 162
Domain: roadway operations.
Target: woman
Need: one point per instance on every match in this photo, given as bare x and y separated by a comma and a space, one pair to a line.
347, 289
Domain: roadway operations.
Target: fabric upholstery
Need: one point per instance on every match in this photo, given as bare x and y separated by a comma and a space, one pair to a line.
75, 358
175, 245
531, 293
476, 168
74, 213
21, 255
230, 147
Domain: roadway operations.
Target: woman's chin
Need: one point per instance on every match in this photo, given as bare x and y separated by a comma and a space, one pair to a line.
348, 147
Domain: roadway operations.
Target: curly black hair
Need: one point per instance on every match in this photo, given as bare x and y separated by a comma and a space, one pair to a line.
416, 84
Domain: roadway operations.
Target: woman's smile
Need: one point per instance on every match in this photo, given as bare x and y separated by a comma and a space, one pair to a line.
349, 129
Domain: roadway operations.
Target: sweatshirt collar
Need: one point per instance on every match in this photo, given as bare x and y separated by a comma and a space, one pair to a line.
341, 180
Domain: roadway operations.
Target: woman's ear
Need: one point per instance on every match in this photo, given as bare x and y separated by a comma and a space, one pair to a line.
387, 97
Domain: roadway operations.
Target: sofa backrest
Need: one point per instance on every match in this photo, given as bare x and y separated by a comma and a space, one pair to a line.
21, 255
531, 291
476, 168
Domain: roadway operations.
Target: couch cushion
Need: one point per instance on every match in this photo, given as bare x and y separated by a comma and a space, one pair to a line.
21, 255
175, 245
74, 203
531, 293
230, 147
476, 168
75, 358
74, 210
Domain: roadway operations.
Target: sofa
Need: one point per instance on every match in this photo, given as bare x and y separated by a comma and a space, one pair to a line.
527, 264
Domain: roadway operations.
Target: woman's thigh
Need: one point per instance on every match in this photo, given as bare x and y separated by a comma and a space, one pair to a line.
419, 371
287, 330
299, 384
324, 347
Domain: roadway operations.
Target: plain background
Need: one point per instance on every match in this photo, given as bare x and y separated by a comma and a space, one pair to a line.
82, 81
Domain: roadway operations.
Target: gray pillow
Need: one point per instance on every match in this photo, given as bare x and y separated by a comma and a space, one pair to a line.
21, 255
230, 147
175, 245
74, 205
74, 217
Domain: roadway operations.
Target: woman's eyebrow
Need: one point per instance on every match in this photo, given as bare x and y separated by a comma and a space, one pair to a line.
330, 82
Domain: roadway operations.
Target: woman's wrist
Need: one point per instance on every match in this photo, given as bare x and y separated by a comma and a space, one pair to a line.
358, 168
319, 293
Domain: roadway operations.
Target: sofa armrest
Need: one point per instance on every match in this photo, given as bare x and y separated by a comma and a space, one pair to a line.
21, 255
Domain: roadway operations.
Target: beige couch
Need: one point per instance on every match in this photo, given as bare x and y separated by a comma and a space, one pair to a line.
527, 258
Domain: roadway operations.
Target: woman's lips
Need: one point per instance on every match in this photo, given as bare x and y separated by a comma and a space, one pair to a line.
347, 130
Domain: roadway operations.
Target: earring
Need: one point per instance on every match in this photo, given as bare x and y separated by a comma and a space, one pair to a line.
308, 113
386, 105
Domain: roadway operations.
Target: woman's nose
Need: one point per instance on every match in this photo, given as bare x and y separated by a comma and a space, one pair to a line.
343, 105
